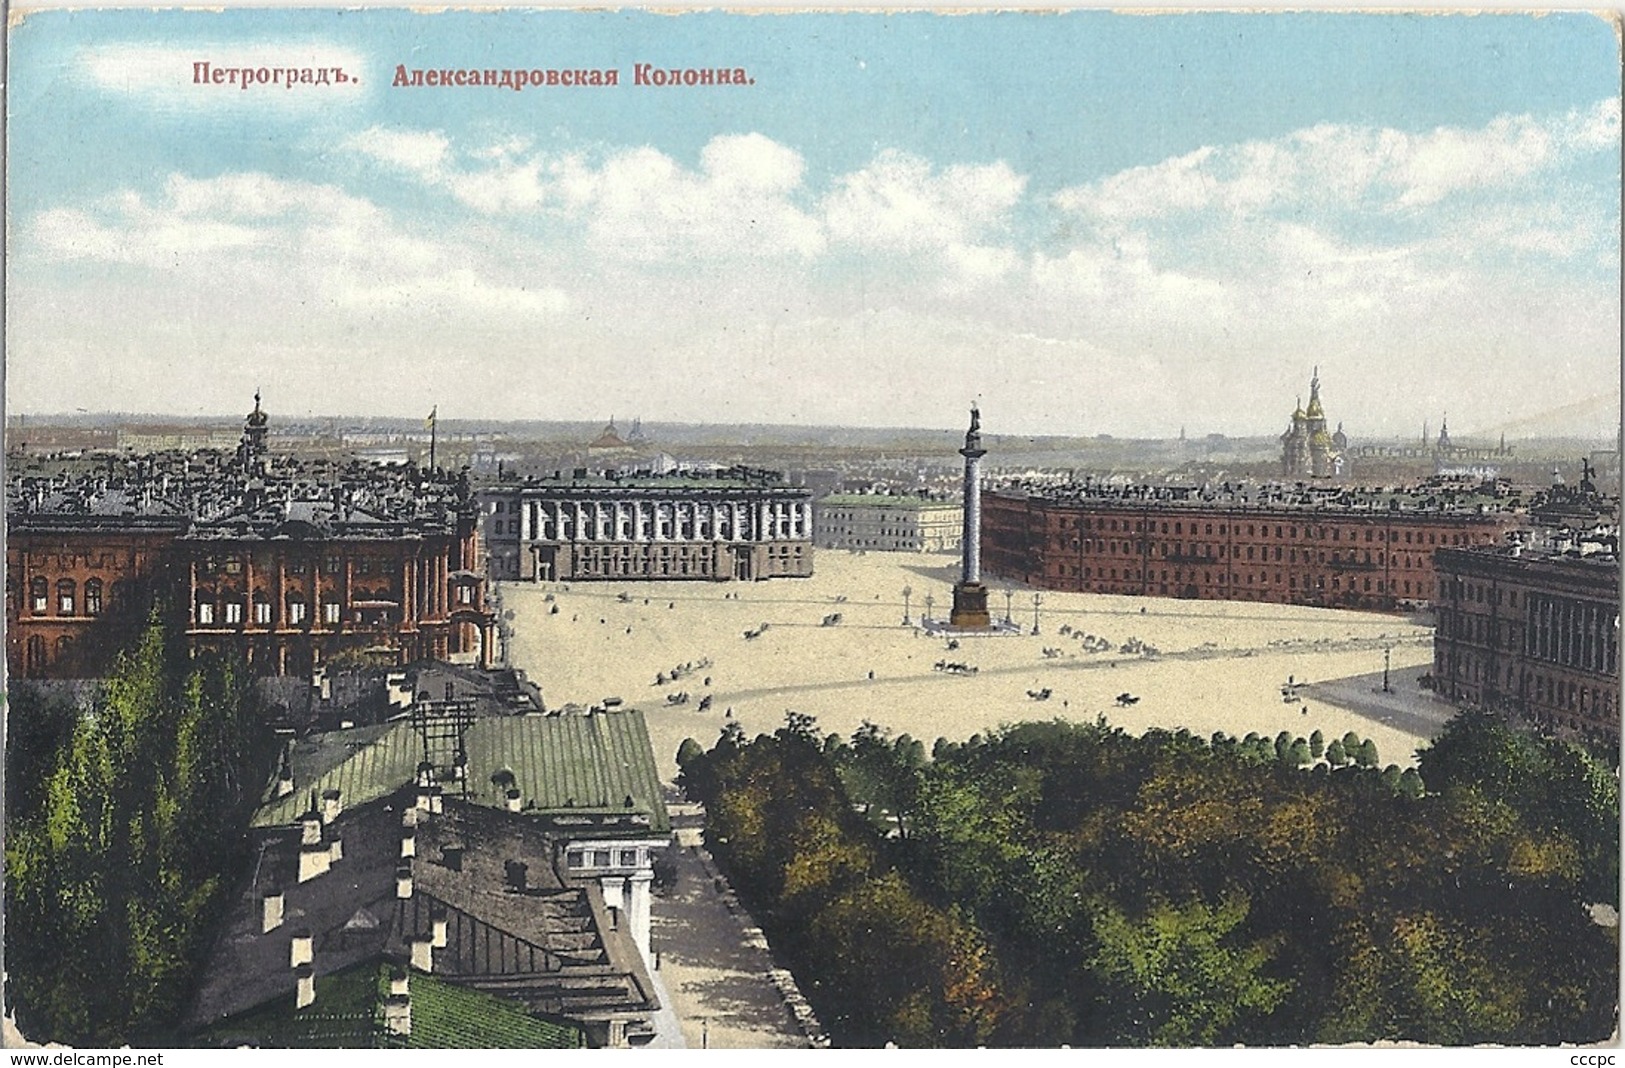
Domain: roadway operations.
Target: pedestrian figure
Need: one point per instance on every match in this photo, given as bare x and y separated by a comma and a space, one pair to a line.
871, 676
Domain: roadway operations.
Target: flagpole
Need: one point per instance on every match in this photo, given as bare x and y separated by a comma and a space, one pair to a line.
433, 430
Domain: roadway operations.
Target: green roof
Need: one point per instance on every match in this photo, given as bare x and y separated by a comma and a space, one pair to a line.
348, 1014
881, 500
446, 1016
572, 765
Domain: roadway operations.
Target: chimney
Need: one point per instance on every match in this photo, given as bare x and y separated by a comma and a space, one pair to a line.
423, 953
300, 949
409, 844
314, 860
400, 982
310, 828
514, 799
284, 782
403, 881
331, 805
452, 856
409, 818
335, 851
398, 1014
439, 928
306, 995
270, 912
517, 872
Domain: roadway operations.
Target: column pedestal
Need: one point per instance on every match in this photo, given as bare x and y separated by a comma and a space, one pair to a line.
970, 607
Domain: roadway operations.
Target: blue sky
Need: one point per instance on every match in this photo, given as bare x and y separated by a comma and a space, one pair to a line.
1094, 222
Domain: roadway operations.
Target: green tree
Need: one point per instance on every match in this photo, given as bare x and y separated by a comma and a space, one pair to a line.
1317, 744
114, 883
1335, 756
1182, 975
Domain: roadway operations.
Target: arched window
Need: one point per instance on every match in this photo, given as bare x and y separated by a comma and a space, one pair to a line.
64, 646
39, 591
93, 597
296, 608
205, 608
262, 609
35, 662
65, 597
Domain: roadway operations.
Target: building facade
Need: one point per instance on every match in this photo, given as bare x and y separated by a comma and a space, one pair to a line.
885, 523
739, 524
292, 563
1304, 546
1533, 634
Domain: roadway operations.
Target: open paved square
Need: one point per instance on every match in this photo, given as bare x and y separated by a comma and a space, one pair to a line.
834, 646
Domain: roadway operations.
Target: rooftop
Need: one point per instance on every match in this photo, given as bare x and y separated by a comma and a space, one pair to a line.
733, 478
884, 500
509, 921
575, 769
347, 1014
1434, 497
252, 493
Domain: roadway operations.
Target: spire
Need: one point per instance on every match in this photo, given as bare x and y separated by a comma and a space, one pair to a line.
1314, 411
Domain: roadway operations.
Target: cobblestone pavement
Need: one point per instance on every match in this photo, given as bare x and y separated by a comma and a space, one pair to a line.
717, 977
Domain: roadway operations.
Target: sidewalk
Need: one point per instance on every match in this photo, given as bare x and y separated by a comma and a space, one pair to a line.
717, 976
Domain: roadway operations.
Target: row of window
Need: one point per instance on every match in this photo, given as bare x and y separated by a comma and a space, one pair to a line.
332, 565
579, 859
1263, 530
1317, 582
1211, 552
231, 613
1539, 689
67, 596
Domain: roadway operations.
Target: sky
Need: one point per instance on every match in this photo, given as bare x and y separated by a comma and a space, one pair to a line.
1085, 222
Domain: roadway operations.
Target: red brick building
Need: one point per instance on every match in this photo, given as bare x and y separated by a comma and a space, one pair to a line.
293, 563
1533, 634
1322, 547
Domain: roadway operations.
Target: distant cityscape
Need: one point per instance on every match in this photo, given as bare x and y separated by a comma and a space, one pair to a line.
358, 572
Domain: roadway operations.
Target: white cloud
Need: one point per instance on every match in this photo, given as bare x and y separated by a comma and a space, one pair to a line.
294, 241
901, 203
423, 153
634, 203
1339, 168
741, 202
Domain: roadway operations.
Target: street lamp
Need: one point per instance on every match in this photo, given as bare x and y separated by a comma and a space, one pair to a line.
908, 591
1009, 594
929, 601
1037, 600
1387, 652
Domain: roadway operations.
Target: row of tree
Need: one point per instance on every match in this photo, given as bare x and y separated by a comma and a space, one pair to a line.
125, 819
1071, 883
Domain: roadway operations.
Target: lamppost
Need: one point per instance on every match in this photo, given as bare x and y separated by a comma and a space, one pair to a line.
1387, 652
929, 601
1009, 594
1037, 600
908, 591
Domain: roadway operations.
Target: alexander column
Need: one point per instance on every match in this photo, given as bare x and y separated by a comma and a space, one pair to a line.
970, 596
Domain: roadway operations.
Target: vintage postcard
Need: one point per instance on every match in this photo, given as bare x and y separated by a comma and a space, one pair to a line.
780, 529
